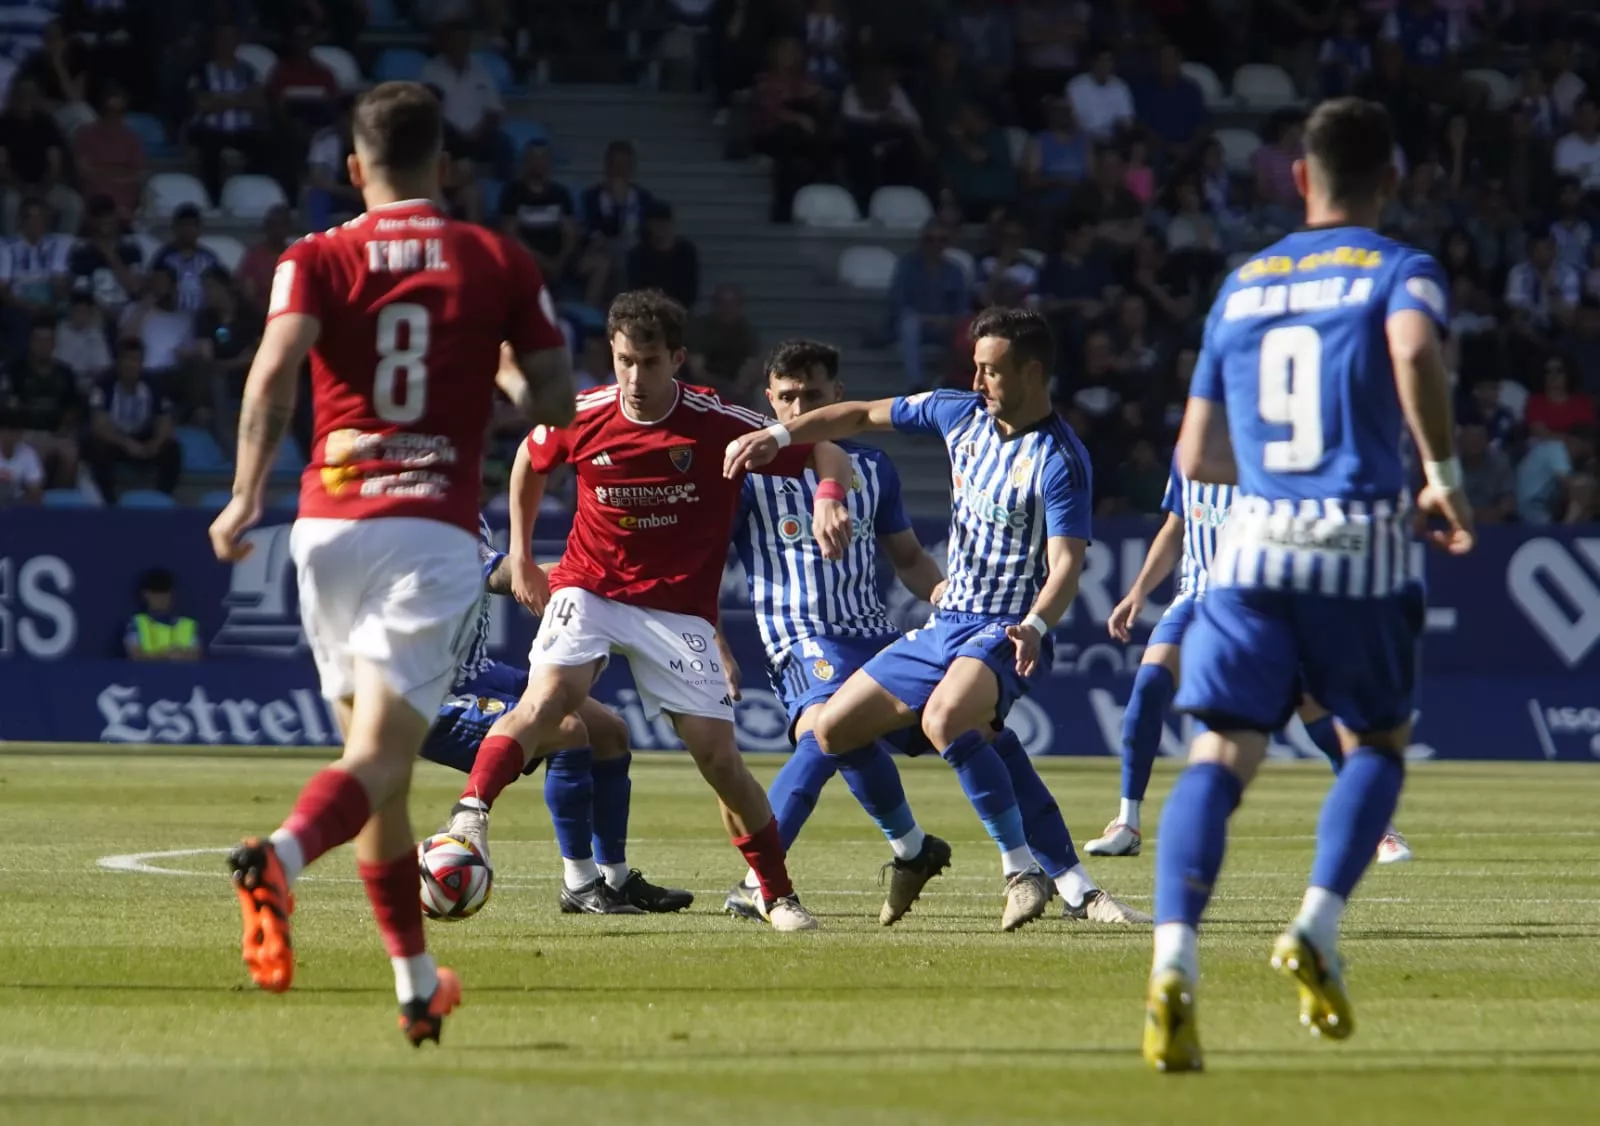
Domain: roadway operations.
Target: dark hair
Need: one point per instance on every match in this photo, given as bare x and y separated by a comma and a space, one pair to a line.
1027, 332
44, 320
797, 359
217, 274
130, 344
619, 148
1350, 142
34, 203
399, 126
647, 316
168, 271
101, 206
12, 419
157, 580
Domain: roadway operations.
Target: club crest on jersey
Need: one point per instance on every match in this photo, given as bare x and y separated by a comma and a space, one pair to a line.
1022, 470
822, 670
682, 457
790, 530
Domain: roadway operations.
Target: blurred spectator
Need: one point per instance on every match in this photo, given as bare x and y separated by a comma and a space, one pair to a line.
612, 214
1428, 36
302, 93
1056, 162
110, 157
225, 335
926, 297
34, 277
106, 265
117, 34
1498, 235
1096, 391
21, 471
724, 350
1345, 55
1172, 109
540, 212
329, 196
1050, 36
827, 43
256, 268
1076, 283
1101, 101
976, 164
1557, 408
22, 24
59, 68
1192, 228
1582, 346
1418, 210
790, 125
1105, 201
665, 260
1010, 264
81, 341
883, 141
44, 394
1583, 499
158, 324
1541, 476
1142, 480
1137, 176
1578, 153
131, 425
1487, 476
1277, 200
155, 633
1541, 292
1498, 419
593, 368
34, 159
228, 113
472, 105
1565, 85
988, 36
1138, 352
186, 258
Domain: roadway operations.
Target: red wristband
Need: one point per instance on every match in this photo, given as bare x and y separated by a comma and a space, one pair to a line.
830, 490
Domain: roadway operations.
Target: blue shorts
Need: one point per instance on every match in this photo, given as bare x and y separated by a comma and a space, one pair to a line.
1251, 652
817, 667
469, 711
913, 666
1174, 622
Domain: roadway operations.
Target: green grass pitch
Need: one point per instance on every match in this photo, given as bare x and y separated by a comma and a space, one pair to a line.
1474, 971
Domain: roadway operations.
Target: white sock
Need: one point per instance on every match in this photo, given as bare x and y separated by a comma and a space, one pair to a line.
1320, 912
289, 853
909, 846
616, 875
751, 880
1075, 885
1129, 814
579, 874
474, 803
1177, 948
1016, 860
415, 978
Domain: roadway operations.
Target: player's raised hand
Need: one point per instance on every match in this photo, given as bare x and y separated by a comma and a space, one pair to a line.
830, 525
1451, 506
1120, 624
530, 585
748, 452
1027, 641
228, 529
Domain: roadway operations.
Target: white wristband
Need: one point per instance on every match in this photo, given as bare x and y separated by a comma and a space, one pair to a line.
780, 434
1037, 624
1443, 475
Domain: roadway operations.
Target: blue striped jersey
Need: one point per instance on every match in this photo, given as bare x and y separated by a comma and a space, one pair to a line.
1008, 496
1296, 349
477, 658
1203, 509
794, 591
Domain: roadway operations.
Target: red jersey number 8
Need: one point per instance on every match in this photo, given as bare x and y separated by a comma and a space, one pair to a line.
400, 383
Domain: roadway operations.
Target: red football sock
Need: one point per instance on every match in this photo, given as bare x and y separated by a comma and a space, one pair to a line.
329, 811
763, 851
392, 891
499, 763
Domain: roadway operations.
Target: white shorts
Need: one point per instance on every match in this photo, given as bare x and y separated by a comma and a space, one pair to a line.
400, 592
676, 665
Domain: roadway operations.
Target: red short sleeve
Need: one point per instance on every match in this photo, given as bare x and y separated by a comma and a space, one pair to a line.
296, 284
533, 325
548, 448
790, 462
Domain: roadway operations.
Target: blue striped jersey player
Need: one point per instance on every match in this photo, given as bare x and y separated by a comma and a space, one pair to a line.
1019, 528
820, 620
587, 788
1319, 353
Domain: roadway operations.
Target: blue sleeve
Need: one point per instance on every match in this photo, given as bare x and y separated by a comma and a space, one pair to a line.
488, 554
1173, 500
1206, 383
932, 412
891, 515
1069, 494
1419, 283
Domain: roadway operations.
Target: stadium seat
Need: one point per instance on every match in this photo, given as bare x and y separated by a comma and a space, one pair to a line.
251, 197
499, 70
258, 58
68, 498
228, 250
146, 498
1502, 91
214, 500
399, 64
900, 209
1018, 140
346, 71
1263, 86
490, 189
1238, 146
152, 133
1210, 85
165, 192
288, 463
201, 454
522, 133
825, 205
963, 259
869, 268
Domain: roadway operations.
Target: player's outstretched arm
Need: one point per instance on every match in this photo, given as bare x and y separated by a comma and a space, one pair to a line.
1065, 555
539, 384
916, 568
1424, 390
264, 418
1205, 451
825, 424
1165, 551
529, 584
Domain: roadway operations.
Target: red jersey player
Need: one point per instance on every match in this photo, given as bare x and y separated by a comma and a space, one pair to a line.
402, 313
641, 573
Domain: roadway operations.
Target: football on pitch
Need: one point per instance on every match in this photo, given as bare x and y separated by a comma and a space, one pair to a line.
455, 877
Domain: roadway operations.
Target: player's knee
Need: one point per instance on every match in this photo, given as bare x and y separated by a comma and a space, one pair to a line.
570, 735
945, 721
608, 735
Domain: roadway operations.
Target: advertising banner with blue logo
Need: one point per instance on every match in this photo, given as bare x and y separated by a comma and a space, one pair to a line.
1511, 660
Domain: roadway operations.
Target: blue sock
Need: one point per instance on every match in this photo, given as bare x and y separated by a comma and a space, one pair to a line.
987, 784
794, 792
1153, 687
1354, 818
1041, 816
874, 779
1194, 836
613, 797
1326, 736
569, 792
